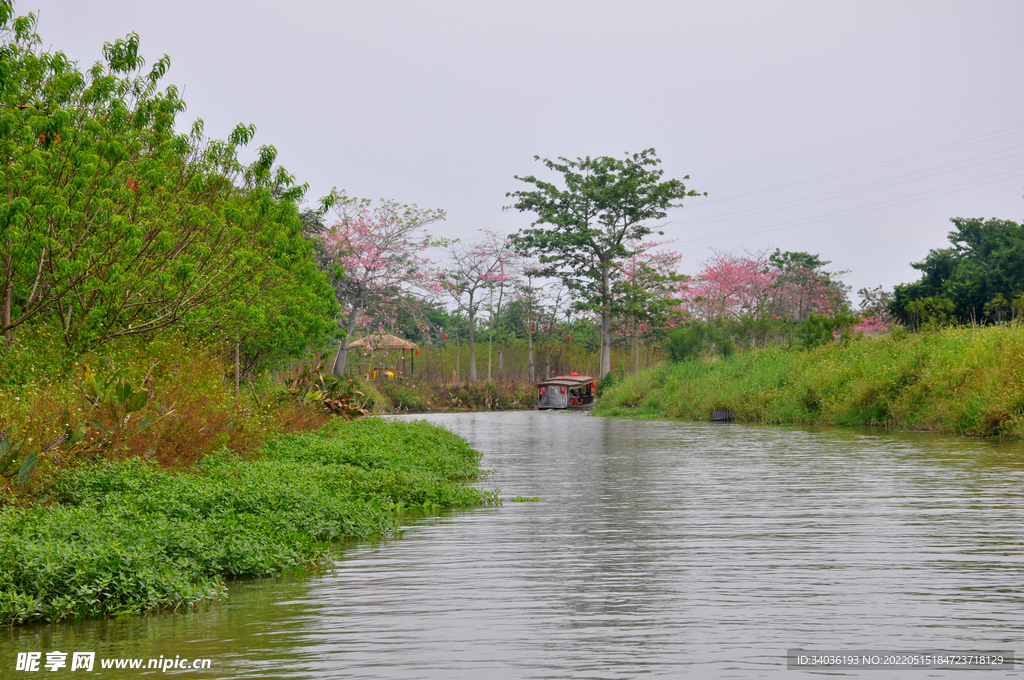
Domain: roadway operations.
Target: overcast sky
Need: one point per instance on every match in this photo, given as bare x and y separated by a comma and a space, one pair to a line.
850, 129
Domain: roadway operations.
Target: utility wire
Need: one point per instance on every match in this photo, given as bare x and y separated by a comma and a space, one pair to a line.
998, 134
850, 191
857, 142
913, 198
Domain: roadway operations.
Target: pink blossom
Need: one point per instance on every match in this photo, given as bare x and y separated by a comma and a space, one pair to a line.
871, 324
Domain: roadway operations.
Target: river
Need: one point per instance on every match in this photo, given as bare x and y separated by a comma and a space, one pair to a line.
656, 549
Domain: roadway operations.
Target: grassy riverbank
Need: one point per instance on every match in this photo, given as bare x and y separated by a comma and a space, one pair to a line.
129, 536
958, 380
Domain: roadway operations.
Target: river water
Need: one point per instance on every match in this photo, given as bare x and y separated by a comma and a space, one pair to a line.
656, 549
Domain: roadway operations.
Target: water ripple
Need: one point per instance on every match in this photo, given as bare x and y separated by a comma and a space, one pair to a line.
658, 549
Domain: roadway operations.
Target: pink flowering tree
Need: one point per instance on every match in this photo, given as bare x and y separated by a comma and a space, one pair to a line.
874, 308
373, 255
803, 287
730, 287
763, 293
645, 291
782, 285
474, 269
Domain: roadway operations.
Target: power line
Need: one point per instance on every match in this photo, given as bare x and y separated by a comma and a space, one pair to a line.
998, 134
850, 191
859, 141
913, 198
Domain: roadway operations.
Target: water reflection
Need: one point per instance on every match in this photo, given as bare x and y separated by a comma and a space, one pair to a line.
657, 548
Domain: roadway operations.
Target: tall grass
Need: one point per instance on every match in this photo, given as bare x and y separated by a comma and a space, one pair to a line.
958, 380
129, 536
192, 408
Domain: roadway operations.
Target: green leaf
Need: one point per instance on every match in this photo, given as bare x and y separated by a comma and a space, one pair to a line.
123, 392
28, 467
91, 389
136, 401
77, 435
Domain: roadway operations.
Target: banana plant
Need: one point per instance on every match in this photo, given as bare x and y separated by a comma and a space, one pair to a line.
310, 386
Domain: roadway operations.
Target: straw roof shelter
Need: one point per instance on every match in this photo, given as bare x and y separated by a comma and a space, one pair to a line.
384, 341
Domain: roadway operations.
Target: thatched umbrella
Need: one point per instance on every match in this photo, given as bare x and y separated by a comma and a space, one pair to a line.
387, 342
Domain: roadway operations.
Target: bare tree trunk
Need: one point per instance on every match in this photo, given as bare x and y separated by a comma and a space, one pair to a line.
342, 357
529, 343
606, 343
5, 318
238, 370
606, 326
472, 349
636, 350
490, 336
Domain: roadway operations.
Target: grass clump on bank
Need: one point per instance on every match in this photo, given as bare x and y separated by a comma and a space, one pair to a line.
957, 380
129, 536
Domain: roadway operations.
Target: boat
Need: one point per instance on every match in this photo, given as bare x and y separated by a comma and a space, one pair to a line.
574, 392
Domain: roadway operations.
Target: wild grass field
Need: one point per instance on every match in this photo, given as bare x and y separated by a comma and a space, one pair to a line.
962, 380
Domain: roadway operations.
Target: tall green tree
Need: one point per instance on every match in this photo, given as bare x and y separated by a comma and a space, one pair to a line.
646, 294
114, 224
980, 275
802, 287
584, 226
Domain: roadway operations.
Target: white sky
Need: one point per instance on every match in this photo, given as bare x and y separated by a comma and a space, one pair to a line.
850, 129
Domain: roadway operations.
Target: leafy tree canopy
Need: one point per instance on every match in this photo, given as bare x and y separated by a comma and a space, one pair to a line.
981, 276
583, 228
114, 224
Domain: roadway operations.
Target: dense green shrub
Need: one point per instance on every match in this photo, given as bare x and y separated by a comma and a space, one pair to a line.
698, 339
116, 224
821, 330
129, 536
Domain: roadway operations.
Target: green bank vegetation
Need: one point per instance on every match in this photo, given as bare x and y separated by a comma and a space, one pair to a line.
151, 285
148, 278
130, 536
417, 396
961, 380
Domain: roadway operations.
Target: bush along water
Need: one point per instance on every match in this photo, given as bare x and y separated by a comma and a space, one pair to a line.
957, 380
129, 536
418, 396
